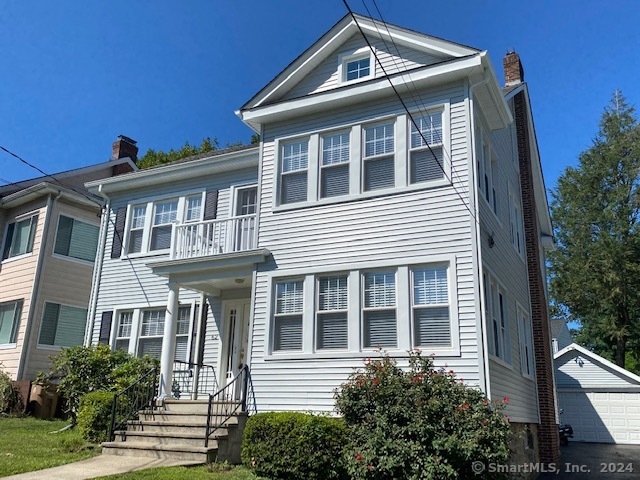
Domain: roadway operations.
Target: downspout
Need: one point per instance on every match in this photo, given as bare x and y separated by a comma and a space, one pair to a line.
25, 351
97, 269
482, 353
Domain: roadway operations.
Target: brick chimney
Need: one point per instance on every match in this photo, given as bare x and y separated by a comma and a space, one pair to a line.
513, 72
121, 148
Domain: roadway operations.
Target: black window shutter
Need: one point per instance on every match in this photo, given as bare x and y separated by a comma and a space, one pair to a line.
211, 205
105, 327
8, 240
118, 233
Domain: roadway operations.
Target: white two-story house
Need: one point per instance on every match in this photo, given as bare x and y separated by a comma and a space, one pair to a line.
395, 201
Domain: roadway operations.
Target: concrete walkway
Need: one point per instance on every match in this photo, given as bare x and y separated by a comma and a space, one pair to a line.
98, 467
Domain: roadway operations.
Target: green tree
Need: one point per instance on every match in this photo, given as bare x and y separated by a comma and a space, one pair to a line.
152, 157
595, 268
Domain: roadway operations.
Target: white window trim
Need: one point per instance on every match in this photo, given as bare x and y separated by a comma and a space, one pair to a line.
523, 314
233, 192
146, 235
363, 308
402, 133
346, 57
339, 311
355, 270
496, 288
349, 163
306, 306
55, 239
43, 346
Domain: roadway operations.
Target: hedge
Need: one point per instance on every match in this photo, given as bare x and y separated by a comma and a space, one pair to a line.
94, 415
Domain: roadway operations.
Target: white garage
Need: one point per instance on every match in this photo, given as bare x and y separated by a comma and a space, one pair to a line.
600, 400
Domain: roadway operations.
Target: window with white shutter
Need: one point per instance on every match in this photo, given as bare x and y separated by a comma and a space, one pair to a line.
289, 303
62, 325
293, 176
379, 309
331, 316
76, 239
426, 159
379, 159
430, 309
334, 168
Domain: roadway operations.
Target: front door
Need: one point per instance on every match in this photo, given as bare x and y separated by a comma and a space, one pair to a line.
234, 338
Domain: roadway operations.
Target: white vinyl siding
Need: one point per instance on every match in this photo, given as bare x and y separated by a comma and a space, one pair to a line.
19, 237
76, 239
332, 314
288, 315
379, 312
62, 325
426, 156
334, 169
9, 321
378, 159
431, 317
293, 180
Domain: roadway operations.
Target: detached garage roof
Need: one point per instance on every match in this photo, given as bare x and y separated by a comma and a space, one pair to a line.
577, 367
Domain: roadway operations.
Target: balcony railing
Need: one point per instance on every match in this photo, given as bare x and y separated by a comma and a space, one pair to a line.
214, 237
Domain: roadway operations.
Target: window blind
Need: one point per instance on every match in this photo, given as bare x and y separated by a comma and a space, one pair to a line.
425, 166
334, 180
379, 173
288, 333
380, 329
332, 330
432, 326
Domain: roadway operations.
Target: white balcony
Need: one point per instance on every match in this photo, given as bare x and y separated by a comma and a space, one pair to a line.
214, 237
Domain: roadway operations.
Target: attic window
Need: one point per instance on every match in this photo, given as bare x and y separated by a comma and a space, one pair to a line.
356, 65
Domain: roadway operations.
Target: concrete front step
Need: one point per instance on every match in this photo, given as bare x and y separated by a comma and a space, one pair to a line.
174, 451
169, 438
194, 406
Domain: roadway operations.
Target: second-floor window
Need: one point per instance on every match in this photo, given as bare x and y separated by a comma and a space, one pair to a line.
295, 161
426, 154
19, 237
378, 159
334, 168
76, 239
150, 223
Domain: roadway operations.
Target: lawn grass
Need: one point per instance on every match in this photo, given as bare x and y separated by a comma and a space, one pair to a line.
27, 444
203, 472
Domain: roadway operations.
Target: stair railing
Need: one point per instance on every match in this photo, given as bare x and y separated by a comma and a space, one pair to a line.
227, 401
191, 378
140, 395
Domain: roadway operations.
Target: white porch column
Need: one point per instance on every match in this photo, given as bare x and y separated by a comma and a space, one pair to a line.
169, 341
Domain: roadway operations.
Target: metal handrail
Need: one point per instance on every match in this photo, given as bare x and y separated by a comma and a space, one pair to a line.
184, 378
128, 403
228, 400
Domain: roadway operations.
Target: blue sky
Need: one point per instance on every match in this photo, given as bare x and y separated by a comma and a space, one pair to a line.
78, 73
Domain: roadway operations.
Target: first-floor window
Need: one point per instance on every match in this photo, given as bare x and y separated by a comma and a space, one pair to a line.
431, 323
19, 238
62, 325
123, 334
526, 343
9, 321
152, 332
379, 312
331, 317
288, 315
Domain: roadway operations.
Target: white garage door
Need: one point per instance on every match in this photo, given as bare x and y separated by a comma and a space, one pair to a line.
602, 417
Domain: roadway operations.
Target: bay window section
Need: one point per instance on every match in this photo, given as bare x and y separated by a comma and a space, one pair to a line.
334, 169
165, 213
331, 317
379, 159
289, 301
426, 155
379, 311
293, 178
430, 310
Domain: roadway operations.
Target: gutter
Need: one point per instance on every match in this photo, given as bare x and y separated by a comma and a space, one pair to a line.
97, 269
25, 351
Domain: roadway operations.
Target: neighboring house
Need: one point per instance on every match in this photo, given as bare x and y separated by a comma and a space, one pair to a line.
600, 400
49, 231
354, 225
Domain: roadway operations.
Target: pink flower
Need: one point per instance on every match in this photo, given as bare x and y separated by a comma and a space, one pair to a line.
368, 467
358, 457
505, 399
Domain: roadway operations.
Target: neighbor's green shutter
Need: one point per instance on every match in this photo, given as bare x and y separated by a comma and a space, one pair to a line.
63, 238
49, 324
72, 322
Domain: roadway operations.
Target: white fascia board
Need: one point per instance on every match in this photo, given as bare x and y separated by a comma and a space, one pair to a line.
179, 171
432, 74
44, 188
594, 356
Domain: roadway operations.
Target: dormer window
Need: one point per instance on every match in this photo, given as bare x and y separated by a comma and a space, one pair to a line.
356, 65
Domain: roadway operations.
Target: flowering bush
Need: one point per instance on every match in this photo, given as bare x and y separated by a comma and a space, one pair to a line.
419, 424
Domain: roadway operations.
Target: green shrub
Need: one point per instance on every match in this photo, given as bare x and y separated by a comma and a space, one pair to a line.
291, 446
94, 415
80, 370
419, 424
9, 396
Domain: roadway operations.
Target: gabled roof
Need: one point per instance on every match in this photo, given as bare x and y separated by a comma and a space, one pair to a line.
336, 36
597, 359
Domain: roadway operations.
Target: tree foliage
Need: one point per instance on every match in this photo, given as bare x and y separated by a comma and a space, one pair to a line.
595, 268
153, 157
